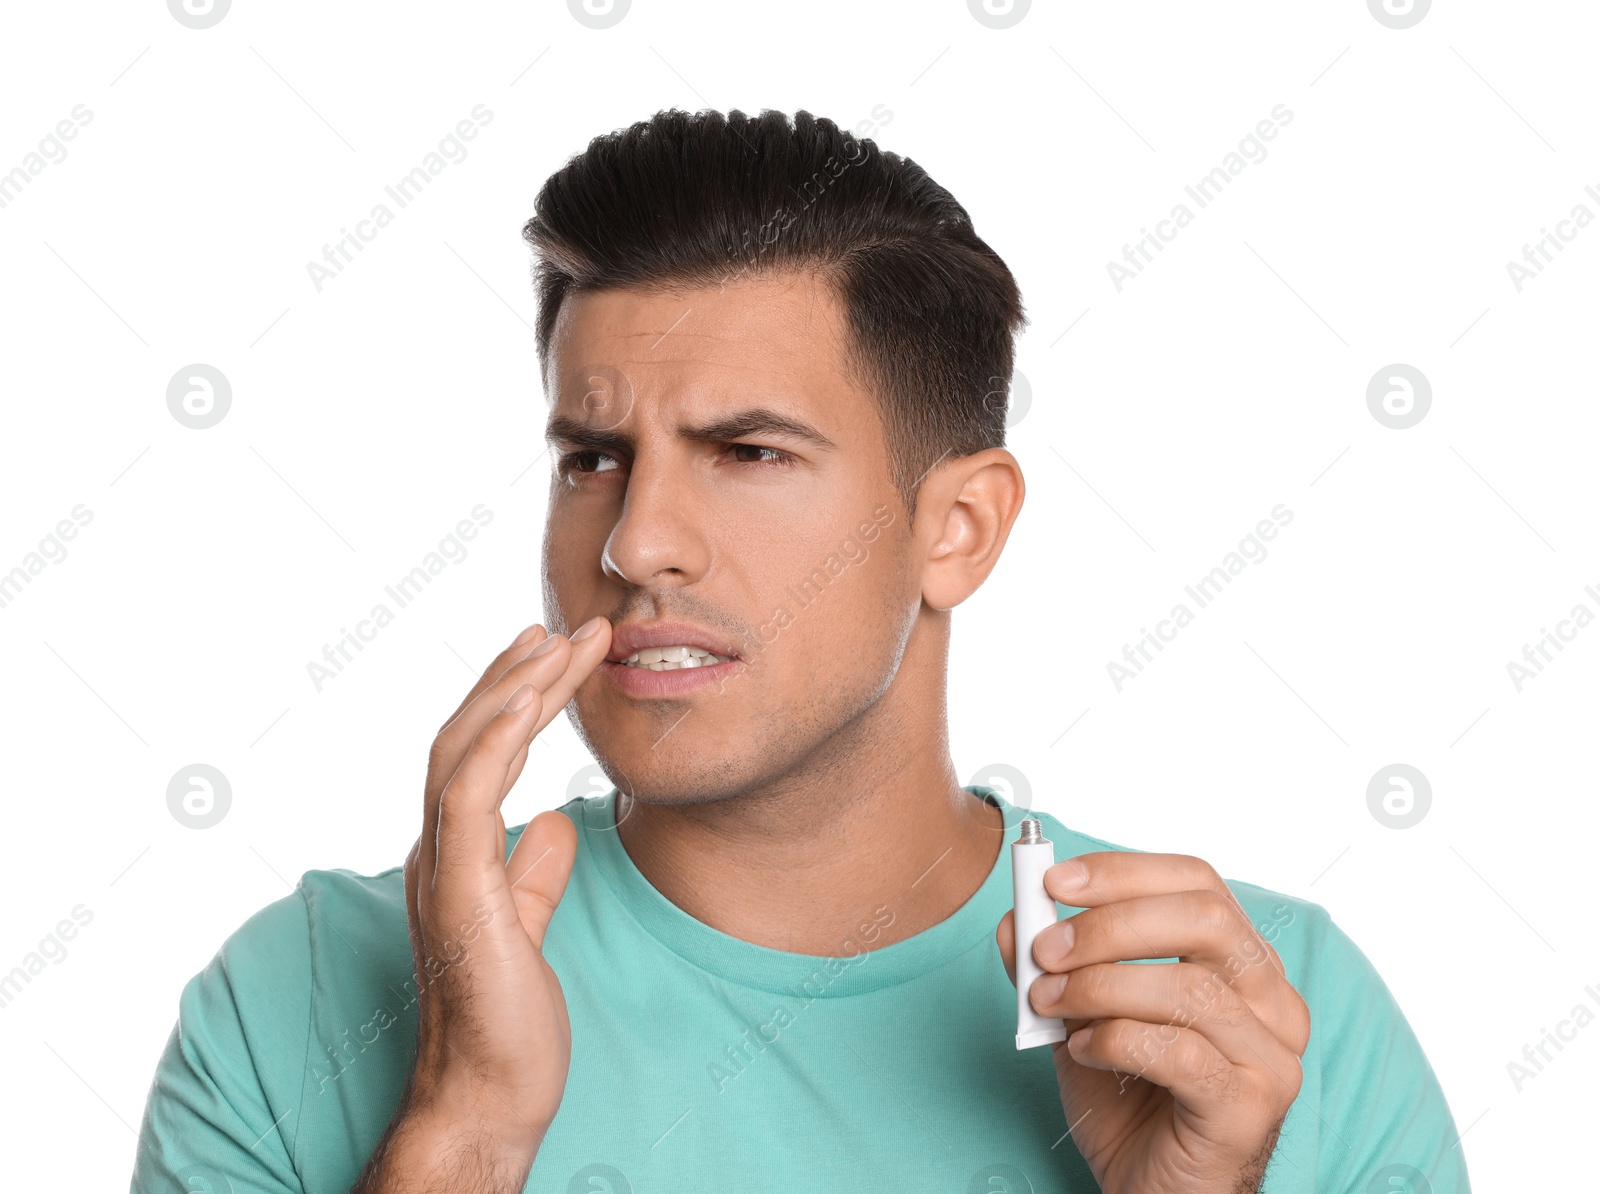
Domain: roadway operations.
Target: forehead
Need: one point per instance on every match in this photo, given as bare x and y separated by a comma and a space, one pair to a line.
784, 334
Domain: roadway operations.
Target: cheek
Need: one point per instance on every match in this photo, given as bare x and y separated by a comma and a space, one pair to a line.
846, 630
574, 543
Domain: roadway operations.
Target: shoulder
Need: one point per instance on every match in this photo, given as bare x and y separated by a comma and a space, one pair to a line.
265, 974
344, 895
272, 940
331, 907
330, 947
282, 940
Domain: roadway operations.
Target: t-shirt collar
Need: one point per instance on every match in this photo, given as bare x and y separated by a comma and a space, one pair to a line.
857, 968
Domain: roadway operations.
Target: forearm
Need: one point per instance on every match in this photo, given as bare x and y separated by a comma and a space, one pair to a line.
437, 1151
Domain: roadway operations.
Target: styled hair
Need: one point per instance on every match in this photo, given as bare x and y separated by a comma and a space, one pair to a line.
694, 199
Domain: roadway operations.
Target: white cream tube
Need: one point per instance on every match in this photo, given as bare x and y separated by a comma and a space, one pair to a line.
1033, 910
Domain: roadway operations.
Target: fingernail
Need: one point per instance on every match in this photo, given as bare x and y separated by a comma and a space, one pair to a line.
1067, 877
1079, 1041
587, 629
1048, 989
548, 645
1052, 947
520, 698
525, 635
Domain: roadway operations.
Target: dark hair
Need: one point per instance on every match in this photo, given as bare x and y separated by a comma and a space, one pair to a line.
695, 199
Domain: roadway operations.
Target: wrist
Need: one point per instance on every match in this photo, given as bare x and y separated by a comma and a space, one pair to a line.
473, 1111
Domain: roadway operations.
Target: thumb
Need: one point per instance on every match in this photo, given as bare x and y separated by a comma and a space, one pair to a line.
538, 870
1005, 936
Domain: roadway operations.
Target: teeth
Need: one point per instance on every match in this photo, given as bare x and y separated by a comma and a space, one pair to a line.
670, 659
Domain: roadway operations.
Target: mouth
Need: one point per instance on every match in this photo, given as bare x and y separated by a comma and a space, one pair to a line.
655, 660
681, 657
640, 677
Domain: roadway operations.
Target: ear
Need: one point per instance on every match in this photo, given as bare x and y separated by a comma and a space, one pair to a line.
965, 511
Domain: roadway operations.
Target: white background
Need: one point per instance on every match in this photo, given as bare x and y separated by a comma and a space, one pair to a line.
1229, 376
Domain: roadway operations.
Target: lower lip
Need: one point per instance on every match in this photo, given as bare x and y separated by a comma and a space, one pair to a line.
642, 682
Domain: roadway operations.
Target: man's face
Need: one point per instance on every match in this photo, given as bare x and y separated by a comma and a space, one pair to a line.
787, 550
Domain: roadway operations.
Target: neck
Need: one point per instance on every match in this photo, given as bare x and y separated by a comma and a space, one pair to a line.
863, 833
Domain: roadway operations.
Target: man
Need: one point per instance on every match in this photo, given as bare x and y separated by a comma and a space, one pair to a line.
774, 956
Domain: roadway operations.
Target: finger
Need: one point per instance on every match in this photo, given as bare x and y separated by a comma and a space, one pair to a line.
467, 851
583, 656
1179, 994
1179, 1059
1005, 936
517, 650
413, 908
534, 658
570, 663
1106, 876
1192, 926
444, 754
544, 667
538, 870
450, 746
518, 761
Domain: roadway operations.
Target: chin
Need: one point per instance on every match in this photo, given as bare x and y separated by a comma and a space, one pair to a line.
650, 778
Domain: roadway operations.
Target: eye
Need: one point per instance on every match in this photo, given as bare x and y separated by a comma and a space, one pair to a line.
774, 456
579, 462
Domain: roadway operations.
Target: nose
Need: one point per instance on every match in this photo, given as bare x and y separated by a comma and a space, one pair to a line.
660, 535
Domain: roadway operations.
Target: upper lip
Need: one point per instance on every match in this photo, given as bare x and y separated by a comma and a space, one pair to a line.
635, 636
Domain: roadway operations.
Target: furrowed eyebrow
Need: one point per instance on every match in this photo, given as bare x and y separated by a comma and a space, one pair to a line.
758, 420
732, 428
562, 431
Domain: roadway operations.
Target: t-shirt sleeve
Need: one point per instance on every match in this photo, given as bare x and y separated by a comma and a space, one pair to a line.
222, 1111
1384, 1115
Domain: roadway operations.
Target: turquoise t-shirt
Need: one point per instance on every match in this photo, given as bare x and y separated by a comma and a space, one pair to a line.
701, 1061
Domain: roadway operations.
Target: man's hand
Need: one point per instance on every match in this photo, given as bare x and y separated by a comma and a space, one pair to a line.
1175, 1077
493, 1039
